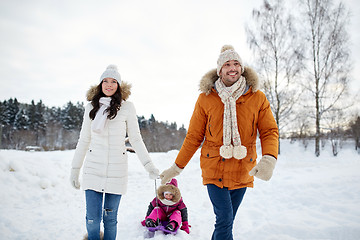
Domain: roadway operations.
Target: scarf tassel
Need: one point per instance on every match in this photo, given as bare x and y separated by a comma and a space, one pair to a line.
229, 151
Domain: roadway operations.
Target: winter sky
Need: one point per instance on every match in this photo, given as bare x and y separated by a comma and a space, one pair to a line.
55, 50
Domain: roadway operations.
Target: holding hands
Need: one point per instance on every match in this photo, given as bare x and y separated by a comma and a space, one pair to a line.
170, 173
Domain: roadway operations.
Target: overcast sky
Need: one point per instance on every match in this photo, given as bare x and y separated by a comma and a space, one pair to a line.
55, 50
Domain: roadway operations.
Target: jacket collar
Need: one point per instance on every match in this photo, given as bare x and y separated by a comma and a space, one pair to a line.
208, 80
125, 91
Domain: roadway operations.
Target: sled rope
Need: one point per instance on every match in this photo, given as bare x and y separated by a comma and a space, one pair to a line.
157, 204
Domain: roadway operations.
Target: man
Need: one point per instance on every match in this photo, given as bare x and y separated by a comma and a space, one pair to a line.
228, 113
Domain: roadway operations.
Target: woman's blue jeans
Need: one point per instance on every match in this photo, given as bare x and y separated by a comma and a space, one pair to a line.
95, 211
225, 203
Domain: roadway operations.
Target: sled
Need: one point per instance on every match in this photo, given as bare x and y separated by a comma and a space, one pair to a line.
150, 231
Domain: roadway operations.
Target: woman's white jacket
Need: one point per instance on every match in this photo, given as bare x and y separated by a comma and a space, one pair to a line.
104, 156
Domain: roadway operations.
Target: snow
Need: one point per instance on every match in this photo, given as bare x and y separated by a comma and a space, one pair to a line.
307, 198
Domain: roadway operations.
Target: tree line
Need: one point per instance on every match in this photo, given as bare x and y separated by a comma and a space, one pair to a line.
36, 125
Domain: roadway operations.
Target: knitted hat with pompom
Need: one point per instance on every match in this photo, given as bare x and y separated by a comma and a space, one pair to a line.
228, 53
111, 72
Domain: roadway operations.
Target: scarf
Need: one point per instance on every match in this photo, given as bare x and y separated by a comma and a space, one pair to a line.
167, 202
228, 96
99, 121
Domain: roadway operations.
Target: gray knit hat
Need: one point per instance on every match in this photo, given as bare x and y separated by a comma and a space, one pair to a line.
228, 53
111, 72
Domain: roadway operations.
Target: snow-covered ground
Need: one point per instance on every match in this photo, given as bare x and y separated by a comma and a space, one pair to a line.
307, 198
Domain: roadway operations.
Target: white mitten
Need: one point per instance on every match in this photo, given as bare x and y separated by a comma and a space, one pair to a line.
264, 169
152, 170
74, 178
168, 174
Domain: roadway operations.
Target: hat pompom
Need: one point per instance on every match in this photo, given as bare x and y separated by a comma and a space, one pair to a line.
227, 47
112, 67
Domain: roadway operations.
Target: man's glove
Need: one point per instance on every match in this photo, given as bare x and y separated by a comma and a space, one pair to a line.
74, 178
152, 170
168, 174
264, 169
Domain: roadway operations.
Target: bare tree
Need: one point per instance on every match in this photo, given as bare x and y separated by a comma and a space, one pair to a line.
334, 123
355, 132
277, 57
328, 64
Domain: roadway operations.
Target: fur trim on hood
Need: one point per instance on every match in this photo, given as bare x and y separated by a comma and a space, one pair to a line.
208, 80
170, 187
124, 86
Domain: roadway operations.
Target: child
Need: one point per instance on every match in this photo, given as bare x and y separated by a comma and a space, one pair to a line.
168, 206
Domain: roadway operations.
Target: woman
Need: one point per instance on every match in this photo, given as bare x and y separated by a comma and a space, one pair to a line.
108, 119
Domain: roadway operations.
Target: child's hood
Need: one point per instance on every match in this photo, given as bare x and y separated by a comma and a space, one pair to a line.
172, 187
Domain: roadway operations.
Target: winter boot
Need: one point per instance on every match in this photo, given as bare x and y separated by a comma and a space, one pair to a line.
101, 236
171, 226
150, 222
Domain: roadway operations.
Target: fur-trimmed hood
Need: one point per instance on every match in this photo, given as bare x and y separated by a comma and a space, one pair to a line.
208, 80
124, 86
172, 187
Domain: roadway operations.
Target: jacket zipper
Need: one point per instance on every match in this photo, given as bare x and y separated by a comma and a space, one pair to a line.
253, 122
210, 126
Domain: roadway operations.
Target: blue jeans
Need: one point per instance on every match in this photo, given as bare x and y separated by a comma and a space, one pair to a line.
225, 203
94, 212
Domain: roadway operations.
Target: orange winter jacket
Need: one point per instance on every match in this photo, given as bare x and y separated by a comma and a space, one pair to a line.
206, 126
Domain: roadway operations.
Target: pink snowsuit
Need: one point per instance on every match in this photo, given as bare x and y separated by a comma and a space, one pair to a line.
162, 209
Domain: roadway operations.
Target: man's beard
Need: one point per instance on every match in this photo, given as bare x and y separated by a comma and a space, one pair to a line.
227, 77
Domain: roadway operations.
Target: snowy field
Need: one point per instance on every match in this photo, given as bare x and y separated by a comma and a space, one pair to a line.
307, 198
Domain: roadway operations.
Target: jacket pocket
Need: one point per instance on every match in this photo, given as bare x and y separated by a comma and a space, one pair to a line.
210, 161
246, 165
95, 156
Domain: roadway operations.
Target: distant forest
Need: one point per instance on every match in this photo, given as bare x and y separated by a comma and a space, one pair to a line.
35, 126
23, 126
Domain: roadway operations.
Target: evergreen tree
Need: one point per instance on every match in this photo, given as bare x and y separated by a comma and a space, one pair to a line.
40, 116
21, 119
2, 112
9, 112
173, 126
72, 115
78, 115
142, 122
53, 115
32, 116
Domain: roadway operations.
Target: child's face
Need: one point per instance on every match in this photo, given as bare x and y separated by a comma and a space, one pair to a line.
168, 196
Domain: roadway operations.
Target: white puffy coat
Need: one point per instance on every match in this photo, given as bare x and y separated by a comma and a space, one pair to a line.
106, 162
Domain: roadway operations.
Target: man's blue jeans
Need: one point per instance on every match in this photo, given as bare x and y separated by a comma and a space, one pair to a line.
225, 203
94, 212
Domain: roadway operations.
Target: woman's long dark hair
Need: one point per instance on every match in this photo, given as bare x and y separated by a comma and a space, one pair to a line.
115, 103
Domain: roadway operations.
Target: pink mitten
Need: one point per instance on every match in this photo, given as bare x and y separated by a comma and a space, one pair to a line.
185, 227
